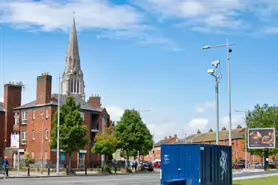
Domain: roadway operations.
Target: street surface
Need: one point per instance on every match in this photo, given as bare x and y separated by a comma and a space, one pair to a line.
133, 179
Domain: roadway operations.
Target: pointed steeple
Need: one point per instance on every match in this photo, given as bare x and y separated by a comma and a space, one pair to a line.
73, 83
73, 50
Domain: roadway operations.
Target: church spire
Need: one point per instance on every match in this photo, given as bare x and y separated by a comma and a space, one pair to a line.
73, 83
73, 50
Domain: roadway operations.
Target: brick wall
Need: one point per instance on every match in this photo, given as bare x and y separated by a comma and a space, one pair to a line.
2, 128
12, 99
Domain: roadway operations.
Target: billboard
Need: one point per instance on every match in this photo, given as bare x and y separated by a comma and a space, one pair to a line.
14, 140
260, 138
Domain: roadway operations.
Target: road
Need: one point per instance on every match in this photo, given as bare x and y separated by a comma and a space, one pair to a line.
133, 179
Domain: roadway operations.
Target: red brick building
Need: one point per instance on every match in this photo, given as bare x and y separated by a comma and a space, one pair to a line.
34, 120
156, 152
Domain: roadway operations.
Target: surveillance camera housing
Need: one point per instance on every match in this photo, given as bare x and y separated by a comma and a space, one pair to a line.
211, 71
215, 63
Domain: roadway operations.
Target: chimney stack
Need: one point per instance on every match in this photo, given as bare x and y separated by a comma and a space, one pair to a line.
12, 99
95, 101
44, 85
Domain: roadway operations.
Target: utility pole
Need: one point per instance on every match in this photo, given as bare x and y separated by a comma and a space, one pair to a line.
229, 51
58, 131
217, 77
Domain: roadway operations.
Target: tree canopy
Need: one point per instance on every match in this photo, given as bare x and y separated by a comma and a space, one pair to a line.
73, 134
133, 134
106, 143
264, 116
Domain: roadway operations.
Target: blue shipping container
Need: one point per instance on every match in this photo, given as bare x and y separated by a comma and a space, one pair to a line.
196, 164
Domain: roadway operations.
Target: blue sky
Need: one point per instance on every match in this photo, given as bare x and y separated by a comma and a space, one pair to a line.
147, 55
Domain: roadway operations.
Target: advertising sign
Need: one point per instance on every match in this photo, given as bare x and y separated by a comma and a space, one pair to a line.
260, 138
14, 140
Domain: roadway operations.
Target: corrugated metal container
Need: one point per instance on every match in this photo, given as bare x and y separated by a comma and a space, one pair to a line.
197, 164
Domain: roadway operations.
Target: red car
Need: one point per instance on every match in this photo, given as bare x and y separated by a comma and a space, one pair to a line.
157, 164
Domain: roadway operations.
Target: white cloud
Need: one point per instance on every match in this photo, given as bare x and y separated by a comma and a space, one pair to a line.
271, 30
195, 124
117, 21
236, 120
1, 99
115, 113
50, 15
212, 16
203, 107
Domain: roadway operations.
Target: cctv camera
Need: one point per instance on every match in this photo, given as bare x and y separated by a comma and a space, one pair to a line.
211, 71
230, 50
215, 63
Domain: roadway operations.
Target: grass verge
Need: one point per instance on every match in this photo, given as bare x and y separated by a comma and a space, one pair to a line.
260, 181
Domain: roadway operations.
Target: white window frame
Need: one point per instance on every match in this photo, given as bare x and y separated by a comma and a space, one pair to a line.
82, 115
23, 137
16, 117
46, 134
33, 135
34, 114
24, 117
46, 113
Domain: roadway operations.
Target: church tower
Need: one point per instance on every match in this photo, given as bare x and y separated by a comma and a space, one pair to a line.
73, 83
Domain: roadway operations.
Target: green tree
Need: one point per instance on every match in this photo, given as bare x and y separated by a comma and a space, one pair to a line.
239, 126
73, 134
264, 116
28, 159
129, 132
148, 141
106, 143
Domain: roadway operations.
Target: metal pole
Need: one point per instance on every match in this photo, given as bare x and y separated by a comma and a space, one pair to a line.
217, 106
58, 131
42, 146
229, 91
246, 152
18, 155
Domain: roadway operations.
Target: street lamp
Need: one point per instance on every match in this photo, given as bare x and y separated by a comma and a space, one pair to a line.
58, 130
217, 77
246, 153
229, 51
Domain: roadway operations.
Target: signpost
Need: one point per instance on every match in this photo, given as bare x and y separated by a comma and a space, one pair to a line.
262, 138
15, 144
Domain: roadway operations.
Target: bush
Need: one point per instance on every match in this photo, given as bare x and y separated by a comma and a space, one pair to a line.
107, 169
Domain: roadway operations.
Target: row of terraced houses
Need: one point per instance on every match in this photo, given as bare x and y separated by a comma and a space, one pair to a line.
238, 143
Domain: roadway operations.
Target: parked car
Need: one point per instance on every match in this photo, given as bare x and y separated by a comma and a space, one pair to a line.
148, 166
157, 164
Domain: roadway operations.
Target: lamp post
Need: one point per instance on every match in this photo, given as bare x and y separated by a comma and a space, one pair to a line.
58, 130
229, 51
246, 153
217, 77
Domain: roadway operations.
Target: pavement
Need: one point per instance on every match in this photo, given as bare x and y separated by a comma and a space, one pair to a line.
132, 179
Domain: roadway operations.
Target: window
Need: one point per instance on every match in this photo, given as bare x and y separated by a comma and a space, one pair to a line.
46, 134
83, 115
46, 113
34, 114
23, 137
16, 117
33, 135
24, 117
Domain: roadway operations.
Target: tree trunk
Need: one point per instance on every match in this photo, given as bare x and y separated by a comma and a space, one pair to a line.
127, 159
70, 158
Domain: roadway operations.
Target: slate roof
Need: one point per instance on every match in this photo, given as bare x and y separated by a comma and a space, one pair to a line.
210, 136
164, 141
63, 99
1, 106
